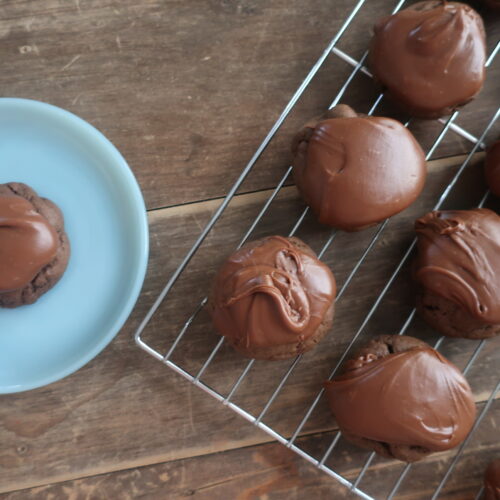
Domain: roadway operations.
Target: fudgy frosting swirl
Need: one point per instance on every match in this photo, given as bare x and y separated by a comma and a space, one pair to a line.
430, 56
414, 398
270, 293
27, 242
459, 259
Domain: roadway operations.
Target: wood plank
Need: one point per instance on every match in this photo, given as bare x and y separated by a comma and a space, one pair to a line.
125, 409
269, 471
273, 472
187, 90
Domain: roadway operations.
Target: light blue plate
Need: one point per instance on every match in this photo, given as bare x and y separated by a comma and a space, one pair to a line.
68, 161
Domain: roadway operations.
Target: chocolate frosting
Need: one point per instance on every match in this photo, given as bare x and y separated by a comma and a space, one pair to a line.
430, 56
492, 168
492, 481
414, 398
27, 242
270, 293
355, 171
459, 259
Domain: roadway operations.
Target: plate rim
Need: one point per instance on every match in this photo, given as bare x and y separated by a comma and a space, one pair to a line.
138, 203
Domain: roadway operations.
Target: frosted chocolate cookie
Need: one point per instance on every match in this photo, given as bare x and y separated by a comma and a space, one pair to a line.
402, 399
492, 481
457, 271
430, 57
355, 170
273, 299
34, 248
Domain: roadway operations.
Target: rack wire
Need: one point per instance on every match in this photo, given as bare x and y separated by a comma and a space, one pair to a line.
448, 124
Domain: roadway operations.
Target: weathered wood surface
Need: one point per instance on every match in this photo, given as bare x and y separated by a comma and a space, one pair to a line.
187, 90
271, 471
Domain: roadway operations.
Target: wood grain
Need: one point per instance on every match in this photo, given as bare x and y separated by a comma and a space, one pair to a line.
125, 409
273, 472
187, 90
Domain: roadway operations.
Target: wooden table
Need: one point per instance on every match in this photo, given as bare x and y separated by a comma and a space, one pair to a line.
187, 89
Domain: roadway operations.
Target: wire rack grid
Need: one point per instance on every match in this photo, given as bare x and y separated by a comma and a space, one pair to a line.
448, 124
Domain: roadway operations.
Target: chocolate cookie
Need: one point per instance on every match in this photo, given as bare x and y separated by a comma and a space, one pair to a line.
354, 170
402, 399
492, 481
430, 57
492, 168
273, 299
34, 249
457, 270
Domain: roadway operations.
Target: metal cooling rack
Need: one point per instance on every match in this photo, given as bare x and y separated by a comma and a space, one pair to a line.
449, 124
